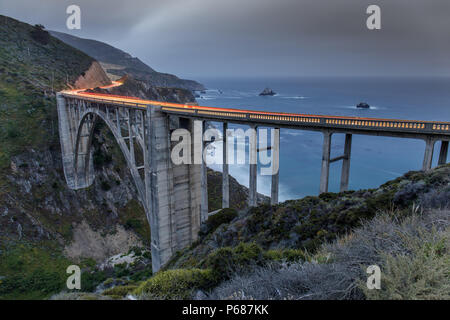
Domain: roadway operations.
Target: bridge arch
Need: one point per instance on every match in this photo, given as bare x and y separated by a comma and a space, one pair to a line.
83, 145
171, 195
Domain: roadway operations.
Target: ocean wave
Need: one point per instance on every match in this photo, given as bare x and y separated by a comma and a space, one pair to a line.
356, 108
295, 97
294, 133
206, 98
218, 97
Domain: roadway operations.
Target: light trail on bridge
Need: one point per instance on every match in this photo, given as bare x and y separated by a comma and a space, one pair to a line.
276, 118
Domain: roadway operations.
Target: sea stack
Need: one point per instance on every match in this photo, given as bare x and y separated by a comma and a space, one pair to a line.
267, 92
363, 105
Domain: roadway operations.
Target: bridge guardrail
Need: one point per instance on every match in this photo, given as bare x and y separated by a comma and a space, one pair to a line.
289, 119
314, 120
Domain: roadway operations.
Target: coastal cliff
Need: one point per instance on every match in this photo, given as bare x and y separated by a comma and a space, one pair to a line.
45, 226
95, 76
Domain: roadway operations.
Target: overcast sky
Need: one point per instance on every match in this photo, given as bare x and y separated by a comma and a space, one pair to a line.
203, 38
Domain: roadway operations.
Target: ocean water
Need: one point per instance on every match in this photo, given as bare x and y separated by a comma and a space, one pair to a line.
374, 160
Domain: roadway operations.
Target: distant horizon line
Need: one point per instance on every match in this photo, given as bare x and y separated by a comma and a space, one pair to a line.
211, 77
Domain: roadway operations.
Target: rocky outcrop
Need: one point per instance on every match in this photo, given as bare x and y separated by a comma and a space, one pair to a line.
95, 76
88, 243
363, 105
267, 92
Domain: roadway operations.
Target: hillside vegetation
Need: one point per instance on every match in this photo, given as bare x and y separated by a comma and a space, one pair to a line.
318, 248
306, 223
44, 226
413, 254
31, 70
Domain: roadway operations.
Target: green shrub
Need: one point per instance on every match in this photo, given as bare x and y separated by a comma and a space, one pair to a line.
290, 255
122, 270
120, 291
226, 261
101, 158
423, 274
39, 34
31, 272
214, 221
133, 224
142, 274
176, 284
133, 217
90, 280
105, 186
40, 281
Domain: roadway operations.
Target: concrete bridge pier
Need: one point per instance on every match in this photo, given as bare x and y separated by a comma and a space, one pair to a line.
428, 156
204, 178
345, 174
159, 193
131, 135
443, 153
275, 149
173, 192
225, 173
253, 155
326, 151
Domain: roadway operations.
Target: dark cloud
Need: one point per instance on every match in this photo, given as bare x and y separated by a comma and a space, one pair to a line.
262, 37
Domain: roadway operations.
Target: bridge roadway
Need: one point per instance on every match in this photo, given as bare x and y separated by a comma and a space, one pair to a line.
429, 131
357, 125
175, 196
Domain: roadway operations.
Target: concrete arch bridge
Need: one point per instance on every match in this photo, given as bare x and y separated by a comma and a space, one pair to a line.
175, 196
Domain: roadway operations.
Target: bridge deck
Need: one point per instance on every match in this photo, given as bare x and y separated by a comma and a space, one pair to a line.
372, 126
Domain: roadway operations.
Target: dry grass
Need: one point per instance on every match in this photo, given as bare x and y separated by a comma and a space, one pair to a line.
413, 254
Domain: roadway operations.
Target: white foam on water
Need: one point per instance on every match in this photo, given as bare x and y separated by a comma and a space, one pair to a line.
295, 97
368, 109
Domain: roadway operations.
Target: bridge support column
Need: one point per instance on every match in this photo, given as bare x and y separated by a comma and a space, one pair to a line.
118, 125
78, 169
252, 192
173, 192
275, 149
158, 175
66, 132
325, 172
225, 174
131, 137
345, 174
428, 157
204, 178
443, 153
